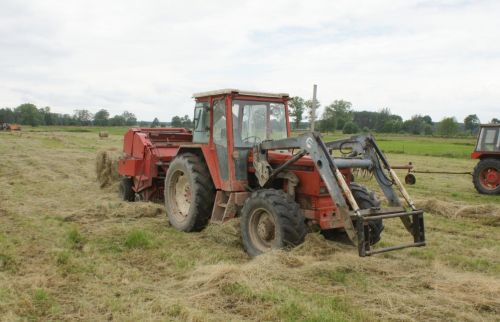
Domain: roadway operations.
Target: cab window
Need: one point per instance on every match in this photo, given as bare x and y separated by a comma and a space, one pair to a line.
201, 122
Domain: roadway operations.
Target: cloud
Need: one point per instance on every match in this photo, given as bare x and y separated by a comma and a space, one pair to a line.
430, 57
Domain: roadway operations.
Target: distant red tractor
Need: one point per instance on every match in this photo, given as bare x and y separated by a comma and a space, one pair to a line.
486, 175
241, 160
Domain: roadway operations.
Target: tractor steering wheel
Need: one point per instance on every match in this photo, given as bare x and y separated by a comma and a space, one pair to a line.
256, 139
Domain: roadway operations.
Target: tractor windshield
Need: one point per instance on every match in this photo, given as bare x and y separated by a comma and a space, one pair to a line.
255, 121
489, 139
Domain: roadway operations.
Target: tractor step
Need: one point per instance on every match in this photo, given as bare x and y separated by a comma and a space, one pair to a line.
367, 215
226, 205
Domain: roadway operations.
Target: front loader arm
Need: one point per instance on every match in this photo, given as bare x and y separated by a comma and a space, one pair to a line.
368, 156
312, 144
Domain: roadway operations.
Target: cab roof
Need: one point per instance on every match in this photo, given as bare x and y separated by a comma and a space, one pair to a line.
240, 92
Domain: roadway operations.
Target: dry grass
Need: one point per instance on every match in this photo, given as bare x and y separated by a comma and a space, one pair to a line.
486, 214
72, 251
106, 167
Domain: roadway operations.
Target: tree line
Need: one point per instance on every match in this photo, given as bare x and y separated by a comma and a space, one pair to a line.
339, 116
29, 114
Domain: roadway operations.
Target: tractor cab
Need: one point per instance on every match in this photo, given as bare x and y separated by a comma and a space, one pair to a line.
488, 141
486, 175
231, 122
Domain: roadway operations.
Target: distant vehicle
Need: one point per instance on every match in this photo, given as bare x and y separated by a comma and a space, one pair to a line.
486, 175
10, 127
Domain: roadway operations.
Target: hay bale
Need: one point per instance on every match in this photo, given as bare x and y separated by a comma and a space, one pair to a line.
107, 167
103, 134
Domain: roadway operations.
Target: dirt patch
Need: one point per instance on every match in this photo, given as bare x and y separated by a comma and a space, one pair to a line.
486, 214
107, 167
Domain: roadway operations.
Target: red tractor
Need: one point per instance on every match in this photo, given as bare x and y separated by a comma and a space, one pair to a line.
241, 160
486, 175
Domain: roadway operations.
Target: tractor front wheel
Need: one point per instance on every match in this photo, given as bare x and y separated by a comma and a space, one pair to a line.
365, 200
486, 176
271, 219
189, 193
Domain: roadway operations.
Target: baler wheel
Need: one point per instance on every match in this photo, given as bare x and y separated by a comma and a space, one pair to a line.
486, 176
271, 219
189, 193
126, 191
367, 199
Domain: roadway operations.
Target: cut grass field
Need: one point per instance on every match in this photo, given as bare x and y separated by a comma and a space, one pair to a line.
72, 251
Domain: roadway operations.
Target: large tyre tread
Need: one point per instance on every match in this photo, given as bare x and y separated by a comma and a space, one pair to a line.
289, 216
366, 198
205, 195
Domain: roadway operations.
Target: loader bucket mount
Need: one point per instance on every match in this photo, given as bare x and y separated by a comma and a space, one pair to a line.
365, 154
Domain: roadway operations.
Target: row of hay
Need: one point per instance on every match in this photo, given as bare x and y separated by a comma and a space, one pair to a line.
486, 214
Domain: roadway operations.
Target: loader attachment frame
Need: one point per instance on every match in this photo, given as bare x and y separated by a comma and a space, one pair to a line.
363, 153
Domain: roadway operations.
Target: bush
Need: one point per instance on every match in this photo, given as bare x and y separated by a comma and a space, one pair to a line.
350, 128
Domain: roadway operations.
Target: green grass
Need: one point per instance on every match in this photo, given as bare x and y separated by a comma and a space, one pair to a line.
421, 145
75, 239
114, 130
139, 239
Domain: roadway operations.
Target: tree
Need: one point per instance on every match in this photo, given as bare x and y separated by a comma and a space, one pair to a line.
471, 123
48, 117
156, 123
327, 123
427, 120
297, 108
350, 128
117, 120
366, 119
7, 115
495, 121
186, 122
101, 118
415, 125
176, 121
428, 130
28, 114
129, 118
383, 117
341, 111
83, 117
448, 126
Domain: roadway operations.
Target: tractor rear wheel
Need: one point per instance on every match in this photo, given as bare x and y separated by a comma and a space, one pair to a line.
126, 192
189, 193
365, 200
486, 176
271, 219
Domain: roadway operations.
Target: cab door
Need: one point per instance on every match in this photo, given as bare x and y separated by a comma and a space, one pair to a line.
220, 139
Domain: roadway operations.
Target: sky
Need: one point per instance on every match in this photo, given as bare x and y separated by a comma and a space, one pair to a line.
439, 58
